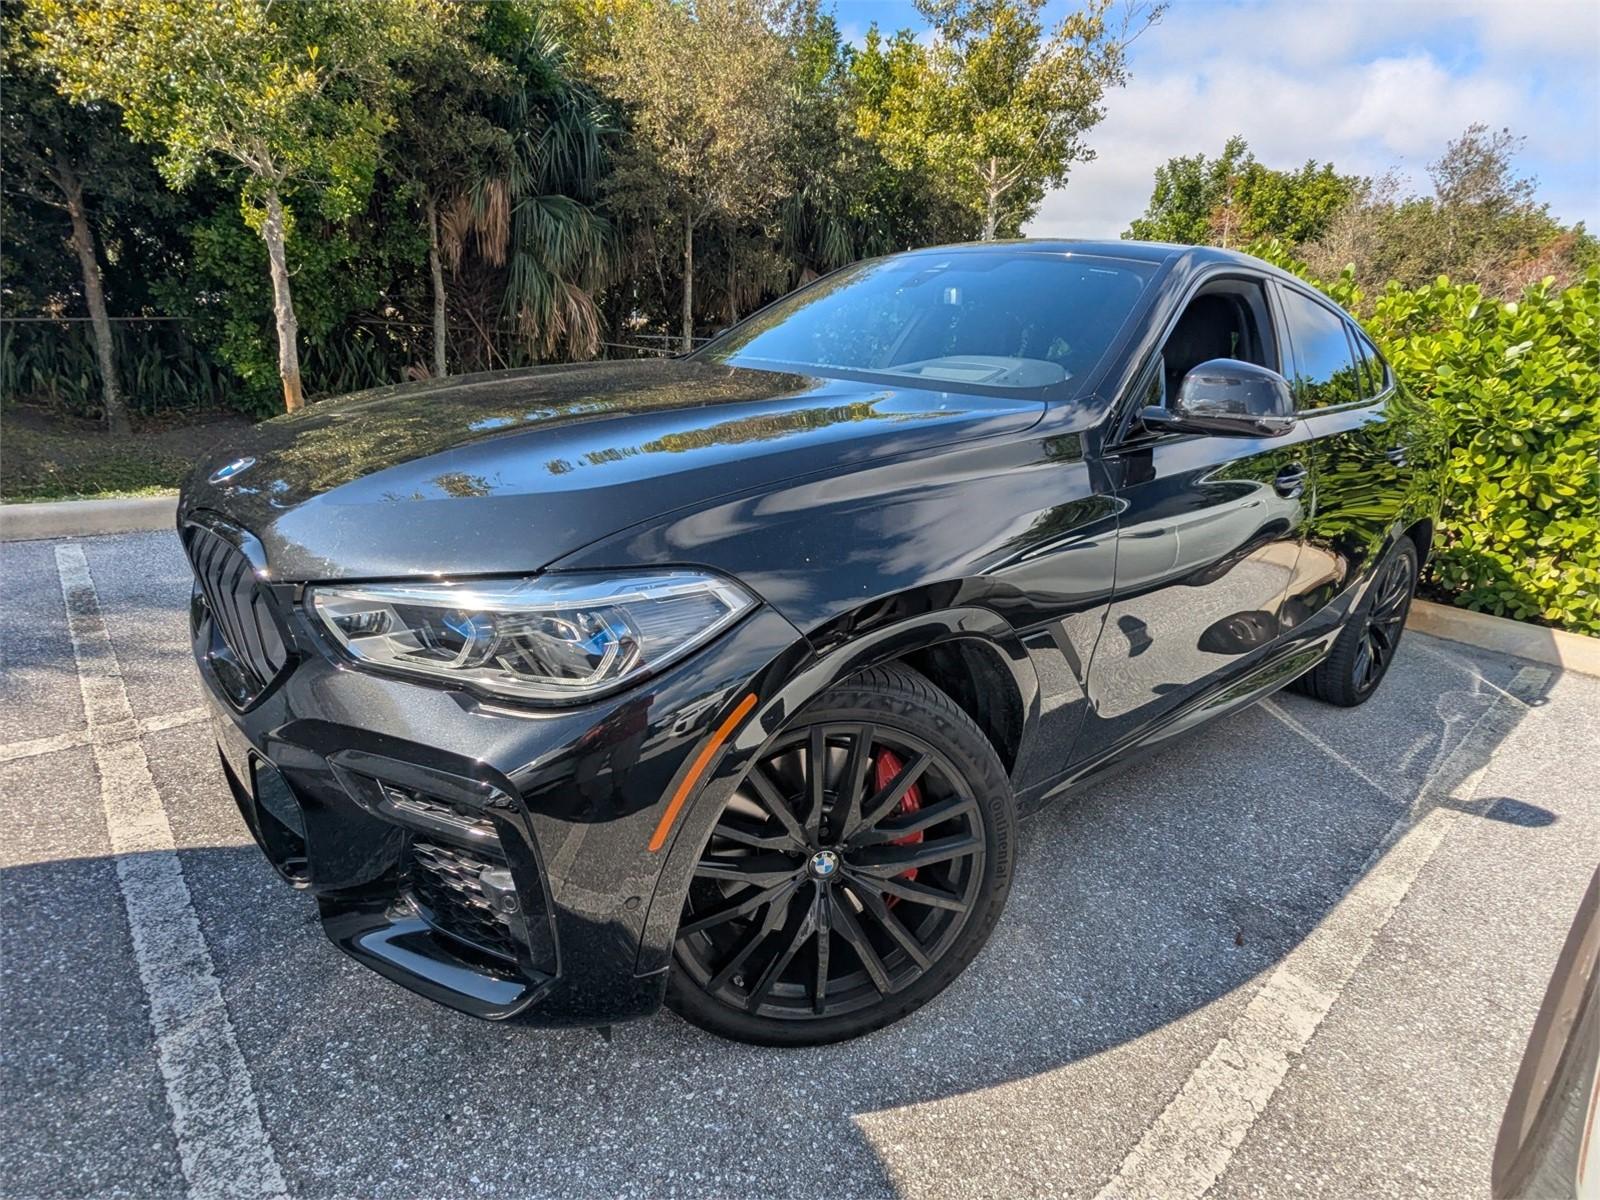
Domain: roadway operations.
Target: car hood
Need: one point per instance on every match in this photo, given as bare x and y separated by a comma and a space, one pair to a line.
506, 472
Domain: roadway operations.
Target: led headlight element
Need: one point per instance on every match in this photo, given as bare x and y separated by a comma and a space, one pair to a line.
555, 637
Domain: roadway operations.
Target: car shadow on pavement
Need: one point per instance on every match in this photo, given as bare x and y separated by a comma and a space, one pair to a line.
1141, 910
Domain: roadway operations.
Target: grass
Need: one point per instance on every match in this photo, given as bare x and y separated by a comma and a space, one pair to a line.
46, 457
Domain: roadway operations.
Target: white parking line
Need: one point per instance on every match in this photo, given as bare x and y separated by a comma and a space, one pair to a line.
1189, 1145
221, 1141
173, 720
1273, 708
55, 743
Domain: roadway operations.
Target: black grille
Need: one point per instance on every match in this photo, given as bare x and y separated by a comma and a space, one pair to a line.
238, 604
446, 883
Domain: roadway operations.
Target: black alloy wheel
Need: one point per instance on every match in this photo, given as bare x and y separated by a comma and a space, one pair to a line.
1365, 648
856, 870
1384, 623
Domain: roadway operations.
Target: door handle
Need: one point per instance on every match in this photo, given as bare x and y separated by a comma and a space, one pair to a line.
1291, 481
1396, 455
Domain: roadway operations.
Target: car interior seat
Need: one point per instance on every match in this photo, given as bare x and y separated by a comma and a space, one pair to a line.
1211, 327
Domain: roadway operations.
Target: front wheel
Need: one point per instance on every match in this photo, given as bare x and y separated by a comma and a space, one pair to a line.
1366, 646
854, 873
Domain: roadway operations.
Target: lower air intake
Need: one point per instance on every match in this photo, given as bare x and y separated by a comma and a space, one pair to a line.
467, 898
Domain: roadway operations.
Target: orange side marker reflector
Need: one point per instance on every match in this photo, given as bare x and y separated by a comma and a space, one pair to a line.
697, 768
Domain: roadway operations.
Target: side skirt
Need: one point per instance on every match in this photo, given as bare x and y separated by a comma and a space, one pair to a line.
1276, 672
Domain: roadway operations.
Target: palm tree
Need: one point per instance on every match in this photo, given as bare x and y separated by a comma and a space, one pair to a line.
534, 211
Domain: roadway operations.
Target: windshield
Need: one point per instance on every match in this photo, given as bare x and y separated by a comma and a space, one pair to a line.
1002, 318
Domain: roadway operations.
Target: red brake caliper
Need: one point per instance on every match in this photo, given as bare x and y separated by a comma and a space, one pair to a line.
885, 767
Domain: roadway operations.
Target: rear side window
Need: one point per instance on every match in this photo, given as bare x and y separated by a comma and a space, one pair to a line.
1325, 373
1376, 373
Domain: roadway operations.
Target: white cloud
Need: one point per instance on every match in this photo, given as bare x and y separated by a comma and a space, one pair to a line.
1367, 87
1542, 27
1412, 106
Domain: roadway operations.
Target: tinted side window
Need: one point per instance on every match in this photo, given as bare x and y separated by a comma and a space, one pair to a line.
1364, 368
1324, 372
1377, 372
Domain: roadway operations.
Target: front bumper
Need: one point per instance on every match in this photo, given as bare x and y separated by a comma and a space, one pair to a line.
389, 800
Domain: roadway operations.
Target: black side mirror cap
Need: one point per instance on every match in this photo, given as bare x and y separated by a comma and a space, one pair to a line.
1227, 398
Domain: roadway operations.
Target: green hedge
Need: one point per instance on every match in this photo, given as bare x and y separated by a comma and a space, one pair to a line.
53, 365
1517, 388
170, 365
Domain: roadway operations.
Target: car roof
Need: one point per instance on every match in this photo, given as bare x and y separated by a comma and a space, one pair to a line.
1150, 252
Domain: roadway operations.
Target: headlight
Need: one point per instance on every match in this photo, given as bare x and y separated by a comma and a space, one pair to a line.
556, 637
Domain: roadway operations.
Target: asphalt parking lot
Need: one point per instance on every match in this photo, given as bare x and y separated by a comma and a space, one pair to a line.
1297, 955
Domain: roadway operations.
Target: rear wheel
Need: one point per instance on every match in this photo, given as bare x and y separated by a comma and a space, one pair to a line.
854, 873
1365, 648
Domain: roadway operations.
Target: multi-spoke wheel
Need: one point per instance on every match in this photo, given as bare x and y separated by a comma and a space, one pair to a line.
1365, 647
858, 867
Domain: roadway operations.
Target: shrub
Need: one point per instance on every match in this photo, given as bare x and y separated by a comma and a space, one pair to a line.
1516, 386
52, 365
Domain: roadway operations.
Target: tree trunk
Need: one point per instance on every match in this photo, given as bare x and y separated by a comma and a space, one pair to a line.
733, 285
283, 305
440, 366
991, 198
94, 297
688, 280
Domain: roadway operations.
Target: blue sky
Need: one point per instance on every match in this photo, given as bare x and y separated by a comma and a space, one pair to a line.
1370, 85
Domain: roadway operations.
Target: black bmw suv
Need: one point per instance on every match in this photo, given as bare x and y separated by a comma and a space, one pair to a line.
721, 680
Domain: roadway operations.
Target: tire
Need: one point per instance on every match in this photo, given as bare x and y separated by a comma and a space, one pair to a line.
1366, 646
810, 923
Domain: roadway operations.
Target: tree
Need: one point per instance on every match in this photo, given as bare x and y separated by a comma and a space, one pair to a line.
1482, 224
1478, 192
1001, 108
535, 209
445, 139
58, 153
847, 201
703, 89
291, 95
899, 194
1489, 223
1232, 200
505, 149
821, 151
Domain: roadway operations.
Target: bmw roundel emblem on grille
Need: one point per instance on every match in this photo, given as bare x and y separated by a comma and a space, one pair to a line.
824, 863
231, 469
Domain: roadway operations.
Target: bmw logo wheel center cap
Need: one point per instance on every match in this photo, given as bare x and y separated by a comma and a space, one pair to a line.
823, 865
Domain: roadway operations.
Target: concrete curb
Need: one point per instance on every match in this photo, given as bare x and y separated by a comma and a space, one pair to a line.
85, 518
1569, 651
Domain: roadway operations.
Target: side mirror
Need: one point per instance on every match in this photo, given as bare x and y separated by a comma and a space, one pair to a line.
1229, 398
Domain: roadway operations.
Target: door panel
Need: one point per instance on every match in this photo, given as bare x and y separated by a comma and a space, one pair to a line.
1359, 449
1207, 546
1359, 498
1056, 590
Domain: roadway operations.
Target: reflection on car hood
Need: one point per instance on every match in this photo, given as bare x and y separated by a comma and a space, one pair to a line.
508, 471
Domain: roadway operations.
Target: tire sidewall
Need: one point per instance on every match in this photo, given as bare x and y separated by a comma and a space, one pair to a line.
1403, 548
